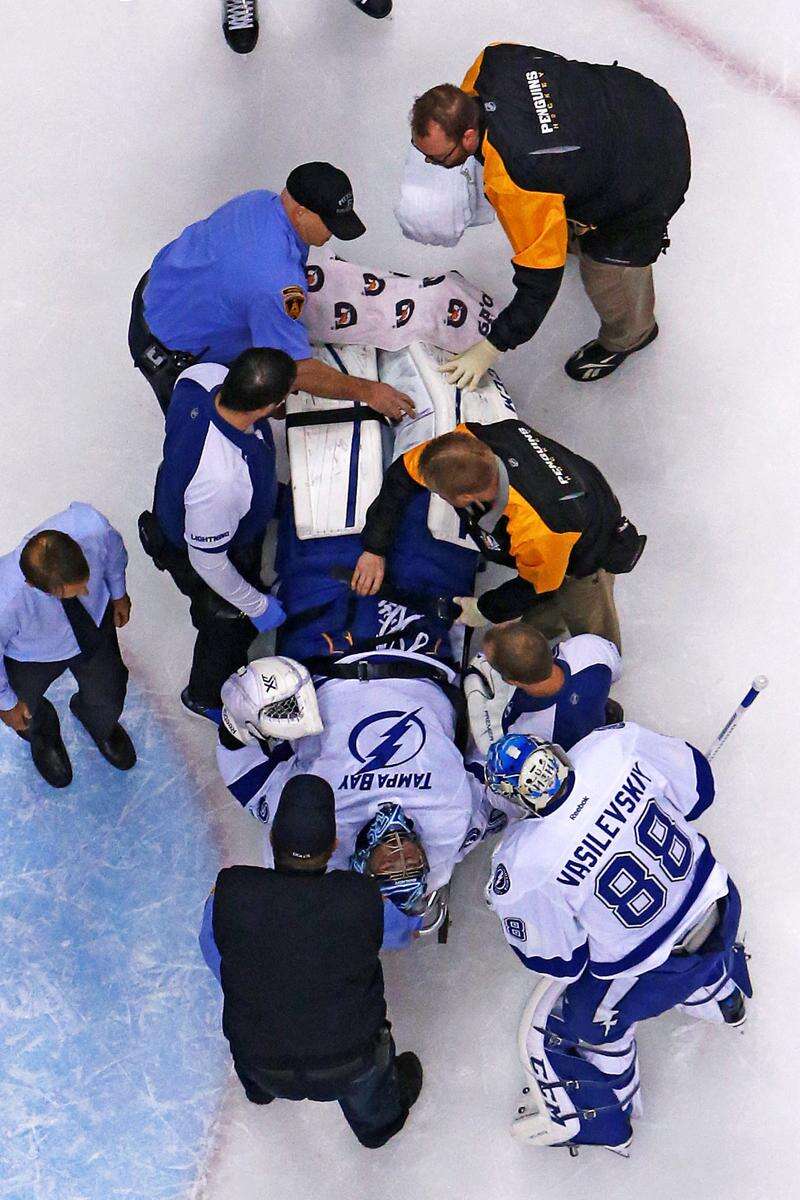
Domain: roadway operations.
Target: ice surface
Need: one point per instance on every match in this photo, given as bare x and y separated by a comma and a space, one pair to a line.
122, 122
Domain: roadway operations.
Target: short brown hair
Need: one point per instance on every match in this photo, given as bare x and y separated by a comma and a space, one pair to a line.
449, 107
457, 464
519, 652
51, 560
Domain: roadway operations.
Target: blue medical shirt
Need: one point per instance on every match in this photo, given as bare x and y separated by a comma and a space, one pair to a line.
235, 280
216, 487
33, 624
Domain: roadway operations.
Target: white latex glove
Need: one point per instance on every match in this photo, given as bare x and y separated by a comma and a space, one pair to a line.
468, 369
470, 613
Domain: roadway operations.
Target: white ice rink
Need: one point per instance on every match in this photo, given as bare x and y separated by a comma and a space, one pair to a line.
121, 123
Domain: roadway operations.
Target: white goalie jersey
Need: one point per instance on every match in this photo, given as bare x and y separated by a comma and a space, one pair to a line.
383, 740
616, 874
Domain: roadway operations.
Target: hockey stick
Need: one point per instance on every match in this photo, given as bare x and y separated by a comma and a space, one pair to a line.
757, 686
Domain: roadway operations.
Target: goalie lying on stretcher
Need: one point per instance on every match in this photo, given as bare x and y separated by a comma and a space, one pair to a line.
337, 456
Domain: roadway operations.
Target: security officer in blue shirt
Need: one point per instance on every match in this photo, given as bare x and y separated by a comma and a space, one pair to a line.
215, 494
238, 279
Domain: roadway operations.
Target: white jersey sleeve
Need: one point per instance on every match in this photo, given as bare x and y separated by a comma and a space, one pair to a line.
255, 775
545, 934
684, 774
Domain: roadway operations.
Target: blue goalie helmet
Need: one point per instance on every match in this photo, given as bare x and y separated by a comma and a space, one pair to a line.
388, 848
528, 771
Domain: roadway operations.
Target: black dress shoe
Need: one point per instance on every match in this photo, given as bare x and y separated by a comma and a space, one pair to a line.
51, 760
116, 748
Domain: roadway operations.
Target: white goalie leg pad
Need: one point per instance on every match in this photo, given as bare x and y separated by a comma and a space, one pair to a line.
547, 1116
439, 408
335, 452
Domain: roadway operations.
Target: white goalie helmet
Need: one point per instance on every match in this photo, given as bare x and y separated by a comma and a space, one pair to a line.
270, 698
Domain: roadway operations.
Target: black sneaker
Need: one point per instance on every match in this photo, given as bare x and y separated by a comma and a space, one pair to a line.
409, 1073
614, 712
198, 709
593, 361
240, 24
374, 8
117, 748
733, 1009
51, 760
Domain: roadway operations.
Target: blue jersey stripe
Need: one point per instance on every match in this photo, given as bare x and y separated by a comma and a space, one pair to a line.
706, 789
248, 785
559, 967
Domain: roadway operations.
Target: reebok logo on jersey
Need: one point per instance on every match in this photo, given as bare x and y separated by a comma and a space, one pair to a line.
541, 101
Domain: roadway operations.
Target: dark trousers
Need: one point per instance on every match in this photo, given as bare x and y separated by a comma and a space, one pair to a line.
367, 1089
224, 633
102, 683
159, 365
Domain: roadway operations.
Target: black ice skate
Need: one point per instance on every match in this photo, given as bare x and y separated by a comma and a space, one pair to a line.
240, 24
374, 8
593, 361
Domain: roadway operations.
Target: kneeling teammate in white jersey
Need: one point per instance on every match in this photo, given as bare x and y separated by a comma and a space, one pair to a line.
617, 898
518, 684
380, 728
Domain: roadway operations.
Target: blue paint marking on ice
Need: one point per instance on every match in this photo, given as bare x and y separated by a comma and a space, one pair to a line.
111, 1057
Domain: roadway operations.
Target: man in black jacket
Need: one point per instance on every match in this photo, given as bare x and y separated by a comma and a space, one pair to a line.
528, 503
296, 952
572, 152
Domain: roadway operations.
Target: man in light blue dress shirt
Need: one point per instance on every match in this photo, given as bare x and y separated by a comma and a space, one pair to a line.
62, 599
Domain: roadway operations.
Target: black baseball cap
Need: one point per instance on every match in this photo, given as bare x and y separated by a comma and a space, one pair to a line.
305, 823
326, 191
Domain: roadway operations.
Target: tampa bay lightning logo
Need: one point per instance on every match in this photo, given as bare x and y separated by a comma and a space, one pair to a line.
501, 882
387, 739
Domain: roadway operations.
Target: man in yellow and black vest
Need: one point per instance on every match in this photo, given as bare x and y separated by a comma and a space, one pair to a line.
528, 503
579, 155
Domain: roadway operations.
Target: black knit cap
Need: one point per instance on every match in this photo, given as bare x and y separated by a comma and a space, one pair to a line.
305, 823
326, 191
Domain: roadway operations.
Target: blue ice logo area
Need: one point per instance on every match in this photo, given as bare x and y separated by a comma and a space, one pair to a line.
387, 739
111, 1057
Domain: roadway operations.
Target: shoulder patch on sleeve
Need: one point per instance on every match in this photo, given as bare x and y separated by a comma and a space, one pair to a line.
294, 299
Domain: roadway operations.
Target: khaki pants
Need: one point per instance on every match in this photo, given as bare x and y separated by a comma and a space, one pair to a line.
579, 606
623, 298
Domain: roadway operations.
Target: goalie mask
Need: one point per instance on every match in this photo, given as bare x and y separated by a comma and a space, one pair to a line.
388, 848
528, 771
270, 698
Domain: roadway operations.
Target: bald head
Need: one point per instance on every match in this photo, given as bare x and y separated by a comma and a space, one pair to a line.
520, 653
53, 562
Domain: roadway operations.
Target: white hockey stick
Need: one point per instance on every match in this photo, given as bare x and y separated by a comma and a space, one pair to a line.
757, 686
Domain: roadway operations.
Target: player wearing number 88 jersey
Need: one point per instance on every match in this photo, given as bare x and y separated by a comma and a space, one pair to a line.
614, 894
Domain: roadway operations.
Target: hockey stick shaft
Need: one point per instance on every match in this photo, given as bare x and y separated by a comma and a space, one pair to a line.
756, 688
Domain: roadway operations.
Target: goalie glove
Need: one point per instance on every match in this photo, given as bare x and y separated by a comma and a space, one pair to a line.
487, 695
